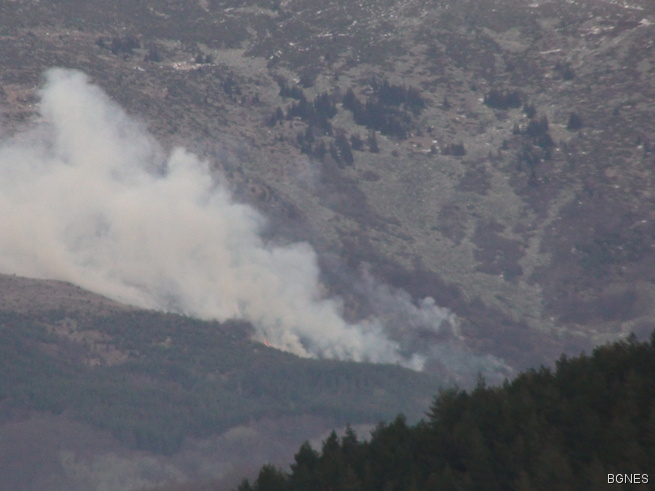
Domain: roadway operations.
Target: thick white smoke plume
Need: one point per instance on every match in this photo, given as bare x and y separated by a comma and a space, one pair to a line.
87, 196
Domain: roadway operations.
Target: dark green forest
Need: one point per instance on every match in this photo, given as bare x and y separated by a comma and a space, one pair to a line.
565, 428
178, 377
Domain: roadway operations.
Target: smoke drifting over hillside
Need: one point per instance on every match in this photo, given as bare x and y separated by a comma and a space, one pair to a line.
89, 197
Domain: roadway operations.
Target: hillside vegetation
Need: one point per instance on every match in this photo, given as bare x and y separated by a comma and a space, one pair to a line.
494, 155
154, 379
564, 429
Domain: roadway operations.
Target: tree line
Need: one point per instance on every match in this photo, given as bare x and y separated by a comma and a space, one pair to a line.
564, 429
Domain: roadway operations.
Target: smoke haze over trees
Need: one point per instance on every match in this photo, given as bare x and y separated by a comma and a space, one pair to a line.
89, 197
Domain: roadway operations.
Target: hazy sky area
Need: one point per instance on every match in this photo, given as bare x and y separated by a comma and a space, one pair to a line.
88, 197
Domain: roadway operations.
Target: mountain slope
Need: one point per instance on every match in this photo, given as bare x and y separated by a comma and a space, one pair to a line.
157, 382
538, 237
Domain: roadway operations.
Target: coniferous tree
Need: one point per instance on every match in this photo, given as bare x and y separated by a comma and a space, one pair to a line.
356, 142
529, 110
562, 429
574, 123
372, 142
343, 148
271, 478
502, 99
